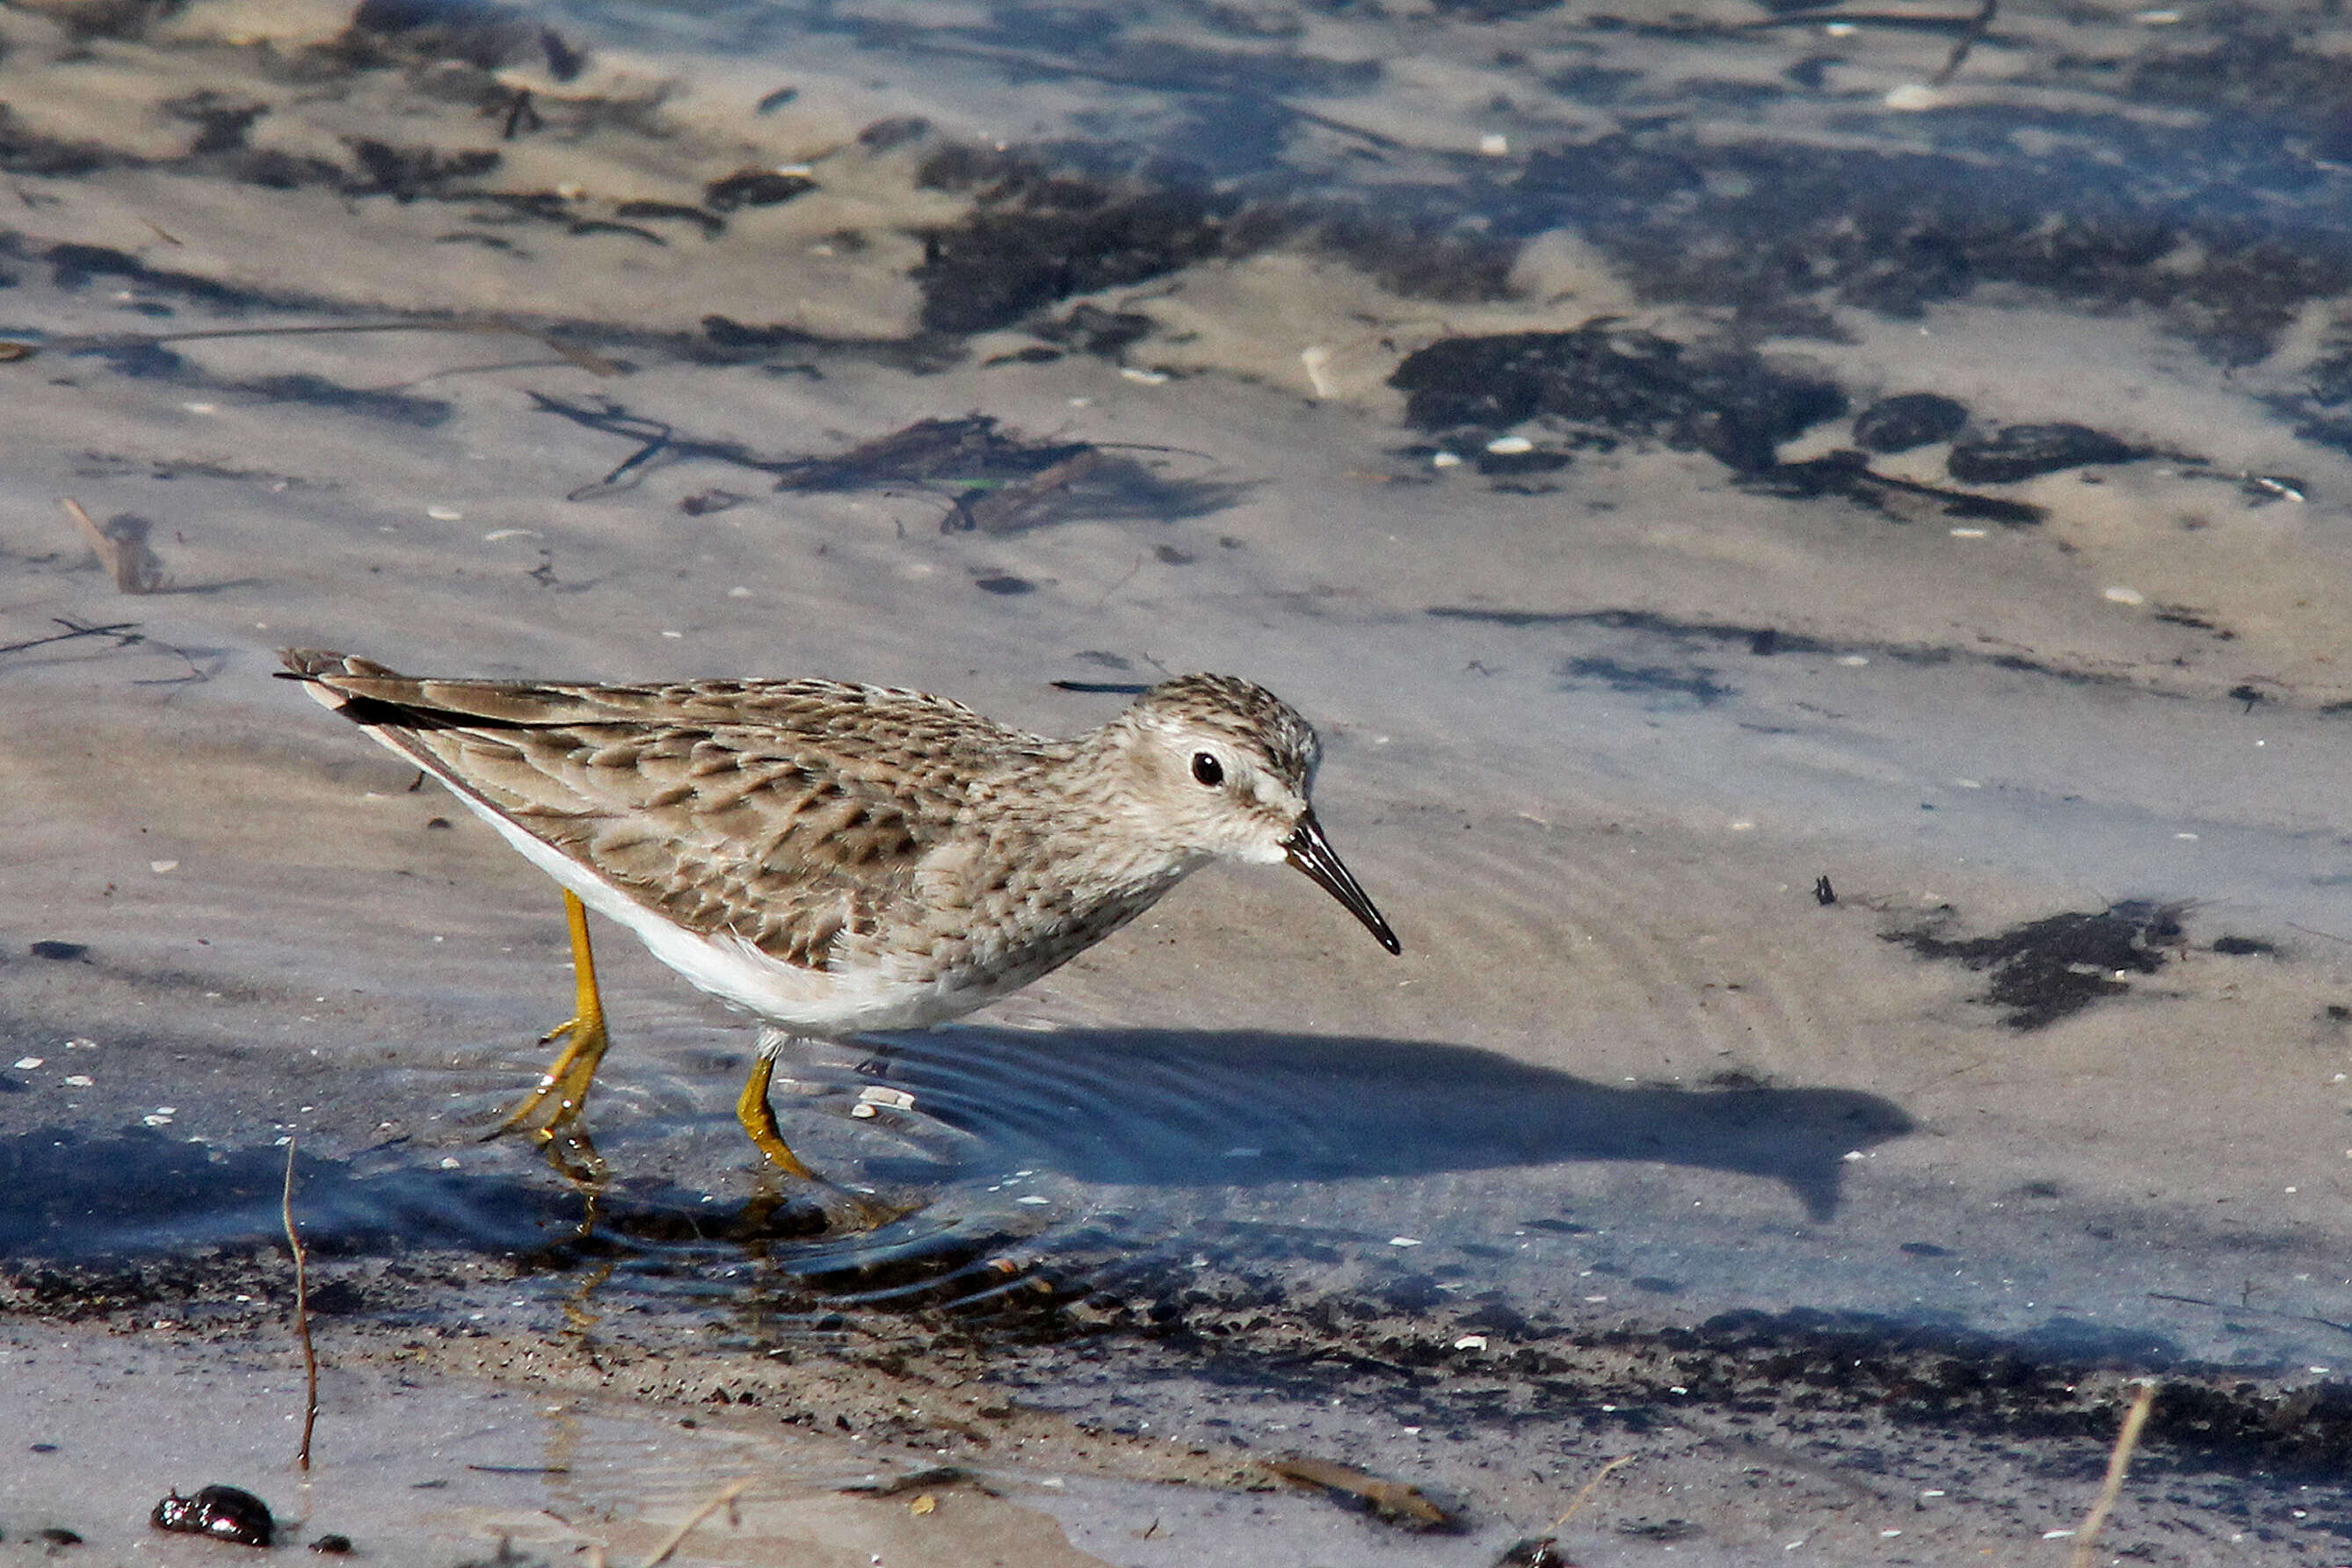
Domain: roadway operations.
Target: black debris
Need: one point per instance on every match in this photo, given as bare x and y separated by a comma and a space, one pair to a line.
711, 224
224, 1513
2052, 968
1034, 239
1091, 330
405, 173
481, 33
1848, 473
1824, 894
564, 63
1912, 419
755, 188
2242, 946
63, 951
2021, 451
1726, 402
333, 1545
705, 502
1514, 463
894, 132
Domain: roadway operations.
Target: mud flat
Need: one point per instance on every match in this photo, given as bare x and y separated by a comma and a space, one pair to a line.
1815, 548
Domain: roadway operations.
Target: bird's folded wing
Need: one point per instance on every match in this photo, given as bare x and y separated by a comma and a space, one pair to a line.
705, 802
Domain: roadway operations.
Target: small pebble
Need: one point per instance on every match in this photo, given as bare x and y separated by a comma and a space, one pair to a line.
224, 1513
2123, 596
445, 514
1510, 446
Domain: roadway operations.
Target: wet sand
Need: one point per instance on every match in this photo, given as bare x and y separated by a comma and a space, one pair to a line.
1843, 1217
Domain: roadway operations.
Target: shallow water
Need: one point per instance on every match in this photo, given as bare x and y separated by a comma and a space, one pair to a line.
1618, 666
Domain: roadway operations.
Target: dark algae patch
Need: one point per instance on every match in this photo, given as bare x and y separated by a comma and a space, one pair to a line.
1621, 382
2052, 968
1909, 419
2022, 451
1034, 239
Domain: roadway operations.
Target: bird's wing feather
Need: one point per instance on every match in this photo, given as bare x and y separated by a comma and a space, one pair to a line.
777, 811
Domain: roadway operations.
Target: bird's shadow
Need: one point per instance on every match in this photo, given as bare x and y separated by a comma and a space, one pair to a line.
1179, 1108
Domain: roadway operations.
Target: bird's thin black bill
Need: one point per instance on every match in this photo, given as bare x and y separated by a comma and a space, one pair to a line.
1309, 851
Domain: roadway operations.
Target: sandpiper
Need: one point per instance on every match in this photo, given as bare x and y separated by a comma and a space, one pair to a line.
833, 857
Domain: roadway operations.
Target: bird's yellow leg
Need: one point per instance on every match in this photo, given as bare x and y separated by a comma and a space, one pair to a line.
758, 1120
844, 1209
550, 1109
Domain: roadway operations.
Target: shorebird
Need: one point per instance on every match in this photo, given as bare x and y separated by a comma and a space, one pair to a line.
832, 858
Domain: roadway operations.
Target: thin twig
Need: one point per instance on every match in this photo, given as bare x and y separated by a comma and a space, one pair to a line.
302, 1311
1620, 1462
1967, 40
2086, 1534
721, 1498
126, 558
124, 633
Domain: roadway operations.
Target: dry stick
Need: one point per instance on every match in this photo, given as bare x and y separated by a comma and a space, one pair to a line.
724, 1496
110, 551
1586, 1495
302, 1311
2086, 1534
1976, 30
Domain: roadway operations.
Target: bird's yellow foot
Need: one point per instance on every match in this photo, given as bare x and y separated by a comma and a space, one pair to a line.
852, 1211
550, 1113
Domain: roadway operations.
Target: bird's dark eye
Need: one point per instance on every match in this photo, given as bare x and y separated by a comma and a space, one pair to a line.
1208, 770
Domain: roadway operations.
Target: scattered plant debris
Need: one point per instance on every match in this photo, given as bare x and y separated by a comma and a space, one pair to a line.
755, 188
1848, 473
1394, 1501
2022, 451
1912, 419
2052, 968
1725, 402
